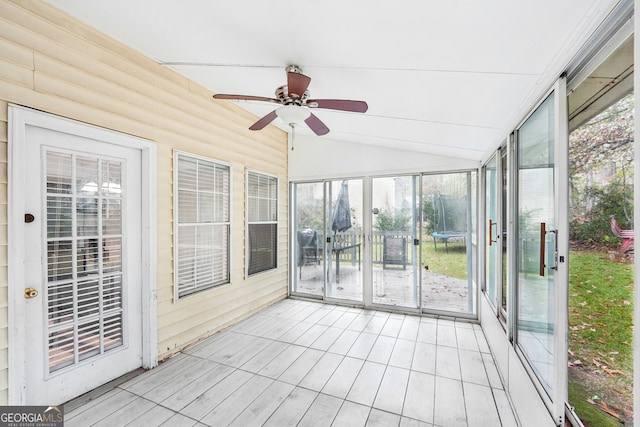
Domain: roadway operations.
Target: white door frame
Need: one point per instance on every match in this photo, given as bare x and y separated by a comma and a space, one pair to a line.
19, 119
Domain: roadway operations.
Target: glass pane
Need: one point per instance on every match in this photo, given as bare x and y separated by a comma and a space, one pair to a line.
112, 293
88, 257
87, 216
187, 173
206, 176
447, 284
187, 206
206, 207
112, 331
253, 209
60, 302
111, 254
111, 217
59, 260
263, 209
503, 235
395, 257
88, 298
61, 348
309, 227
186, 258
59, 219
220, 213
111, 179
263, 247
492, 230
273, 210
221, 179
203, 257
59, 173
344, 254
88, 339
535, 328
87, 176
221, 253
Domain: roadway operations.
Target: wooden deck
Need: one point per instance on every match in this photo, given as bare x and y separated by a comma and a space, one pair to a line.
391, 286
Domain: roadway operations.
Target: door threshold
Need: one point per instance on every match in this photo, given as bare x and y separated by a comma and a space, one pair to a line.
101, 390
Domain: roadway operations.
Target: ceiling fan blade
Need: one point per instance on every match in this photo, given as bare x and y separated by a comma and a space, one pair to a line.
297, 84
244, 98
339, 104
260, 124
316, 125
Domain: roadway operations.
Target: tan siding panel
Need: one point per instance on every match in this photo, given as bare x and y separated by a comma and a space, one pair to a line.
16, 54
63, 30
16, 74
4, 114
4, 299
83, 75
243, 307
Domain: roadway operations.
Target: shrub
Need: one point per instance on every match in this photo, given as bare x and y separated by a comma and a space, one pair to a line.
392, 220
592, 227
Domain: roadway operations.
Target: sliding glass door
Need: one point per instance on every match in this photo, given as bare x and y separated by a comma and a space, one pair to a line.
327, 241
447, 277
496, 190
418, 251
308, 244
344, 243
542, 246
394, 241
492, 249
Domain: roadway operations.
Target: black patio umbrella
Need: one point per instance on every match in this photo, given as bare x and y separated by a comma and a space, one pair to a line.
341, 218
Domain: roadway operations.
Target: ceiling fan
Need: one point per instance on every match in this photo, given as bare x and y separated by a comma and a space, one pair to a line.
295, 103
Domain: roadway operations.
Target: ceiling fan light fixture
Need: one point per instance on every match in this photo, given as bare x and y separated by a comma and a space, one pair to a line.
293, 115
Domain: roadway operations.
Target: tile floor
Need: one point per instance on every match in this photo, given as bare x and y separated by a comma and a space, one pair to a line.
301, 363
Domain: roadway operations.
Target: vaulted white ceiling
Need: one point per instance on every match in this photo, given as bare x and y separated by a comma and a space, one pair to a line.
444, 77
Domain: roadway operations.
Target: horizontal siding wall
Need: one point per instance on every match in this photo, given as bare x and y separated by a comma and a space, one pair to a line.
51, 62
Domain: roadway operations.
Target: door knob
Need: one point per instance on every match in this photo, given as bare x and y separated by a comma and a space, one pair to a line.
30, 293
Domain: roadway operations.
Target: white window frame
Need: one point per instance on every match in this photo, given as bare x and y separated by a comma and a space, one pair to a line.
177, 225
273, 221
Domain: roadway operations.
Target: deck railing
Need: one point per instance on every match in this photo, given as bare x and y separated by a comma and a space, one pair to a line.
352, 239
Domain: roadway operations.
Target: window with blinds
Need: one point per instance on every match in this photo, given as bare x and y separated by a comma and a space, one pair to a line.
202, 200
262, 222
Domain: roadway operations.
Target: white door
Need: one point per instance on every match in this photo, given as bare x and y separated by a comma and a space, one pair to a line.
82, 323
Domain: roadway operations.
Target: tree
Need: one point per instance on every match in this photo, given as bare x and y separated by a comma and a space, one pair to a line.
601, 175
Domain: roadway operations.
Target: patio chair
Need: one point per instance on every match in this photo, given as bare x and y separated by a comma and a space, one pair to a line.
627, 236
307, 248
394, 252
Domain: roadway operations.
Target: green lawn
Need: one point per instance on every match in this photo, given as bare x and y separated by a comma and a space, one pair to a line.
600, 337
452, 263
600, 330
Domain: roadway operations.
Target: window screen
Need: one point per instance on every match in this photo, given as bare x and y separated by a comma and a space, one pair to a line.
202, 192
262, 221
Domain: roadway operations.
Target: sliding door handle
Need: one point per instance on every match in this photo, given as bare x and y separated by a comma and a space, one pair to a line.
543, 248
491, 225
543, 245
